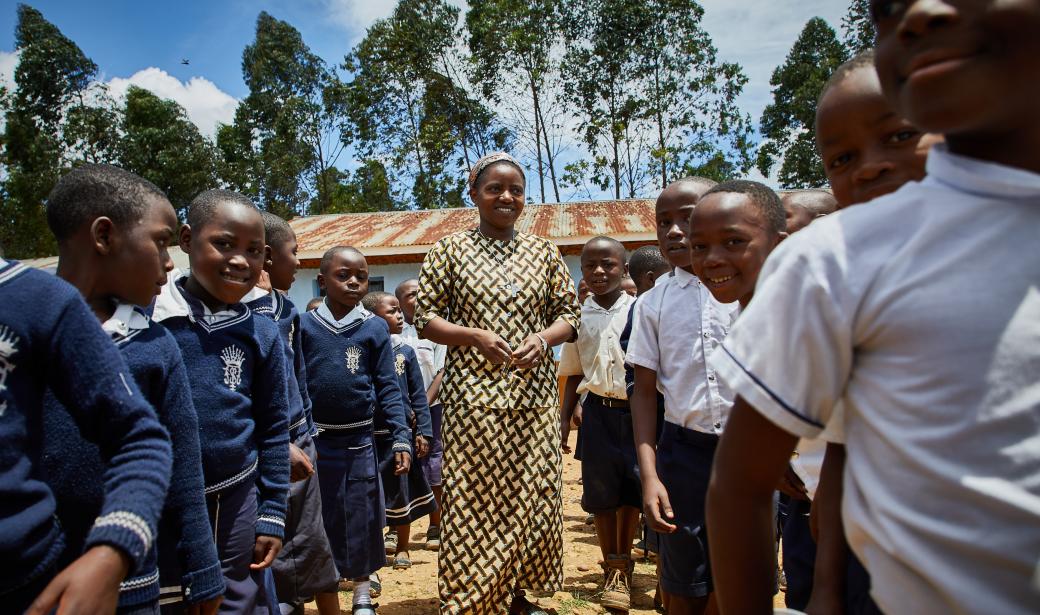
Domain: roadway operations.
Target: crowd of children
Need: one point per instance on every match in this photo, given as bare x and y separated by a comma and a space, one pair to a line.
191, 442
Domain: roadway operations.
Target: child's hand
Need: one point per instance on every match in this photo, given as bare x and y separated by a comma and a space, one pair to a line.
402, 463
300, 467
565, 434
264, 551
89, 585
422, 447
793, 486
529, 353
206, 607
577, 415
656, 506
493, 347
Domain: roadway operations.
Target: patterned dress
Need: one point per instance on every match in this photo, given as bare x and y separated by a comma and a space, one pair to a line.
502, 526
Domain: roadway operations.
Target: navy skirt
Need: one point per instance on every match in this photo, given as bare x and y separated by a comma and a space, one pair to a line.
351, 502
407, 497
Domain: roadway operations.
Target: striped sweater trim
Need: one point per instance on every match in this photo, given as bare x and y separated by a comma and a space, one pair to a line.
129, 521
234, 480
344, 426
139, 582
271, 519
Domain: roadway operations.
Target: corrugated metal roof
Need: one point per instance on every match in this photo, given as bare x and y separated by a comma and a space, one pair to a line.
409, 232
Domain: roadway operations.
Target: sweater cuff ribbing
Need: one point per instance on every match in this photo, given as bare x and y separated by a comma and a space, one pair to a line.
270, 525
125, 530
205, 584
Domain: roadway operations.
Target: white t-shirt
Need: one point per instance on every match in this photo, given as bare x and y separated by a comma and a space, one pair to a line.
597, 355
675, 325
920, 313
430, 355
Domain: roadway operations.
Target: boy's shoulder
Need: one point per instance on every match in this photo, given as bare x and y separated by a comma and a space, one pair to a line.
19, 274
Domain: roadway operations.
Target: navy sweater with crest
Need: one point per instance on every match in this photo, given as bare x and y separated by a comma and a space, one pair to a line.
283, 312
74, 467
350, 366
409, 378
49, 339
236, 368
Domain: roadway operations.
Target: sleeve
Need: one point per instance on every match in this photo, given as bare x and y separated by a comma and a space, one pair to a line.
389, 397
300, 365
90, 377
626, 335
201, 577
440, 354
271, 413
790, 354
417, 395
435, 278
562, 302
570, 362
643, 349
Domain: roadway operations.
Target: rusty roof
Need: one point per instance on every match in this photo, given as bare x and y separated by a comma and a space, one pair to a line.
400, 233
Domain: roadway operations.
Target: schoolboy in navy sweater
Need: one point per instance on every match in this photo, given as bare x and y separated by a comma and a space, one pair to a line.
350, 367
57, 344
304, 568
236, 366
113, 229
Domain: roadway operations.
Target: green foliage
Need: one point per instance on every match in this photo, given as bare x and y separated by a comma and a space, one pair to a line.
788, 124
857, 27
367, 189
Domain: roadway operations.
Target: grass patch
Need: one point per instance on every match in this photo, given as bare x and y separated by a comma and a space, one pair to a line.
575, 601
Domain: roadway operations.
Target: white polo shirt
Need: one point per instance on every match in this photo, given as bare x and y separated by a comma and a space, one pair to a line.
596, 354
675, 325
430, 355
920, 313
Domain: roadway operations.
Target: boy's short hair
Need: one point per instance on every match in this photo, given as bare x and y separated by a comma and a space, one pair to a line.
862, 59
326, 259
202, 206
91, 191
823, 201
372, 299
614, 244
313, 303
644, 260
698, 180
763, 197
276, 230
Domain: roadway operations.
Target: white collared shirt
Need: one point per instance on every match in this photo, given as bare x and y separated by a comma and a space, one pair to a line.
171, 303
125, 320
358, 313
675, 326
430, 355
919, 313
596, 355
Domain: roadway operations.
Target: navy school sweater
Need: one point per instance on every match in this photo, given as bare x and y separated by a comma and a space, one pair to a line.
73, 466
283, 312
350, 366
409, 378
236, 368
49, 339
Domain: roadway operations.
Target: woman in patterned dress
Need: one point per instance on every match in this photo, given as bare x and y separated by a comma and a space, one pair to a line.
499, 299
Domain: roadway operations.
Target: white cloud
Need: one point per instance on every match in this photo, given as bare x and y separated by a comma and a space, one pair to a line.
8, 62
357, 15
206, 104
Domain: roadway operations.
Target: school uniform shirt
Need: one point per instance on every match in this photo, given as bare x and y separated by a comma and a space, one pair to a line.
430, 355
920, 313
50, 340
676, 324
236, 368
597, 354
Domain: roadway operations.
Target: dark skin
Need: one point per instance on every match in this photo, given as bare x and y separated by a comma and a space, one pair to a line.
226, 257
345, 282
672, 212
583, 291
967, 69
868, 150
109, 264
646, 281
629, 286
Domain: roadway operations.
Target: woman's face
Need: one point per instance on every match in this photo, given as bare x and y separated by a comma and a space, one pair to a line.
499, 195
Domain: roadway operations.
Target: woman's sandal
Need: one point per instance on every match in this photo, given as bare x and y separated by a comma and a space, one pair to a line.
523, 606
375, 587
402, 563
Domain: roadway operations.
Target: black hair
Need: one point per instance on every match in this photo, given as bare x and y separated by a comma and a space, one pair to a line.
644, 260
397, 291
707, 182
863, 59
613, 243
326, 259
476, 180
276, 230
314, 303
372, 299
91, 191
832, 203
762, 196
202, 207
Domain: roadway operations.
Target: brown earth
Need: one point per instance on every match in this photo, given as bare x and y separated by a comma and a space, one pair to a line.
414, 591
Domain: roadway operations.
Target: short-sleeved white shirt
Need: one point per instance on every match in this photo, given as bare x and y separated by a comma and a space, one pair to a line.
675, 325
430, 355
596, 355
920, 313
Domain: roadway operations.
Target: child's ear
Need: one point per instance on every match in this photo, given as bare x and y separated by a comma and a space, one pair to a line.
268, 260
782, 235
184, 239
321, 281
102, 231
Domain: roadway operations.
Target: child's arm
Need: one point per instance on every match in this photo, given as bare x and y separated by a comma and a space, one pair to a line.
570, 400
656, 506
389, 397
740, 509
421, 407
89, 376
201, 576
271, 414
832, 552
435, 387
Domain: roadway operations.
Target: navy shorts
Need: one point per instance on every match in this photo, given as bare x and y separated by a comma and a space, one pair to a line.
609, 470
684, 459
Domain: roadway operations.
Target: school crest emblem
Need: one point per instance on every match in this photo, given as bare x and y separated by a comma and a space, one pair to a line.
399, 364
353, 355
233, 358
8, 348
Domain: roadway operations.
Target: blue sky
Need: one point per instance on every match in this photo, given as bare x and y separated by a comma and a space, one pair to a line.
143, 42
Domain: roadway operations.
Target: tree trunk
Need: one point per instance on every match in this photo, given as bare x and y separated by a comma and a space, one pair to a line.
537, 134
552, 163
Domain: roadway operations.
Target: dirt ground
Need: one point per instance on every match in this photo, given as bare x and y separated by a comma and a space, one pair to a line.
414, 591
